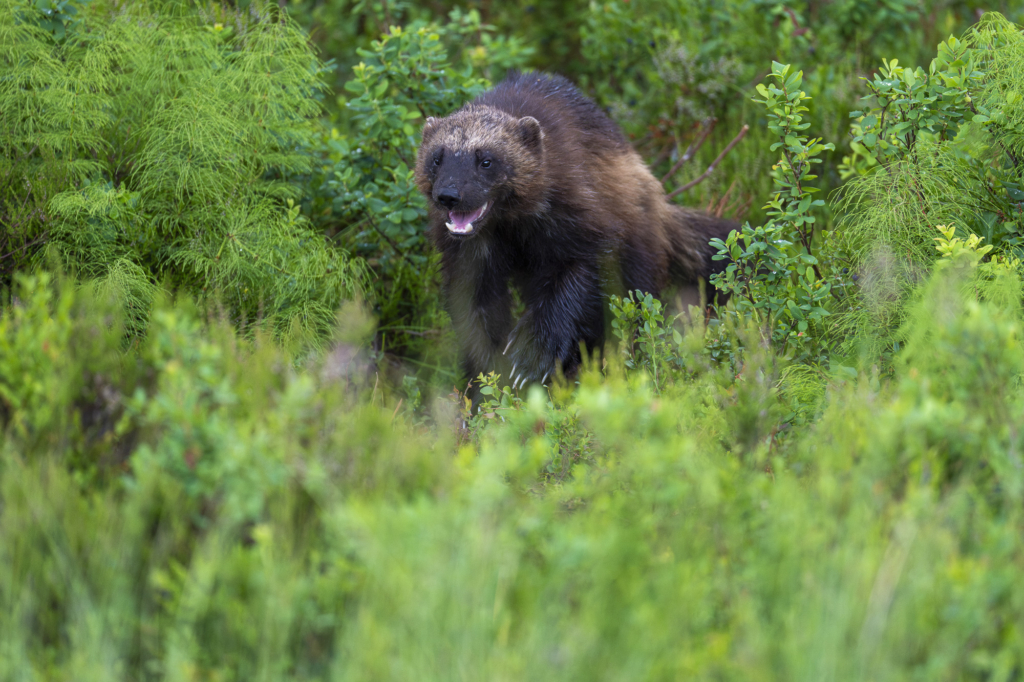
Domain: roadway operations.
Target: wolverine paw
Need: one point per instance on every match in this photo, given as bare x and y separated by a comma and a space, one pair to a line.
530, 362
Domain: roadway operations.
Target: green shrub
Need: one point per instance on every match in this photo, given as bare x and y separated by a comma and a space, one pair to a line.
274, 521
670, 71
147, 149
936, 148
773, 276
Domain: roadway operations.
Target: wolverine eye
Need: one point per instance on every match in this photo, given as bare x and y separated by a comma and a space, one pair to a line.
486, 163
437, 160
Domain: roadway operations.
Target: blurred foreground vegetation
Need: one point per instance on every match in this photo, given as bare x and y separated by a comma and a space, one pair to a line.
202, 509
231, 444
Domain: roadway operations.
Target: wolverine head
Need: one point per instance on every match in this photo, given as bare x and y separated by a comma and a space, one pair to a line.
479, 163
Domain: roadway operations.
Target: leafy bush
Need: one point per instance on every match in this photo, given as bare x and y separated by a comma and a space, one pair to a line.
671, 72
147, 149
773, 274
937, 148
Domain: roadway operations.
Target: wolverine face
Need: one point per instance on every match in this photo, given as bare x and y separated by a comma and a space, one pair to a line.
466, 184
471, 165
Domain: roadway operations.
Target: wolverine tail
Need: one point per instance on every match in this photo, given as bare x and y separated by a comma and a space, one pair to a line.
689, 233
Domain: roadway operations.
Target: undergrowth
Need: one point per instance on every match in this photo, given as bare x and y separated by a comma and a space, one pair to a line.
822, 482
146, 149
202, 507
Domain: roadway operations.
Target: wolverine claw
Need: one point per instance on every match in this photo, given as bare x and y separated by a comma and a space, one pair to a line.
508, 346
545, 377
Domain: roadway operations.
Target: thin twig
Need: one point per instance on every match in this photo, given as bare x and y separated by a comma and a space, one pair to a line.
714, 164
720, 209
665, 153
25, 246
707, 127
639, 144
739, 209
404, 330
1013, 157
395, 413
390, 241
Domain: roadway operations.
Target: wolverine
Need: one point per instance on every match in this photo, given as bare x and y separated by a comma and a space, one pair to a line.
532, 186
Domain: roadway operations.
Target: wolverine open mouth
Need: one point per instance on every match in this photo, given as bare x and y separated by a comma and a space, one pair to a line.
462, 223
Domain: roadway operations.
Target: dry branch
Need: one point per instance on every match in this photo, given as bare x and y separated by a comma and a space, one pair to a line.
707, 127
714, 164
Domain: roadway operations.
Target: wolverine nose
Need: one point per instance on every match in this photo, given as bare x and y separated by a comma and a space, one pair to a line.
448, 197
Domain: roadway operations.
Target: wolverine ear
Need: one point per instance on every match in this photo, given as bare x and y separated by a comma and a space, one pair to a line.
530, 133
429, 128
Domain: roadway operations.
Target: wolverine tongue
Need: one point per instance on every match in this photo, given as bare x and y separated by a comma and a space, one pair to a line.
462, 223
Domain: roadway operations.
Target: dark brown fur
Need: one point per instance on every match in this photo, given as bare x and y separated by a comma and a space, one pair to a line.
562, 190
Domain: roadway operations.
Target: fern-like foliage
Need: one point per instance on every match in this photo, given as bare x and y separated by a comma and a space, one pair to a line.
149, 148
938, 146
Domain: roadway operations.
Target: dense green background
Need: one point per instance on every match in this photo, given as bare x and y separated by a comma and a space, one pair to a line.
231, 448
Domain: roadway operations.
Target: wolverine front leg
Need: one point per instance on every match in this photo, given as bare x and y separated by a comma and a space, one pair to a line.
563, 308
480, 305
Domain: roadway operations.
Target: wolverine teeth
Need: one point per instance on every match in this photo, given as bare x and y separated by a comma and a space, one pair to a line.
466, 230
453, 226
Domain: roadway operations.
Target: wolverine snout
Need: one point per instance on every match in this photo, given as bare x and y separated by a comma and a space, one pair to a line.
448, 197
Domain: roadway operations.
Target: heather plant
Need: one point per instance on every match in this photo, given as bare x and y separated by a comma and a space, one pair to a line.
147, 150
